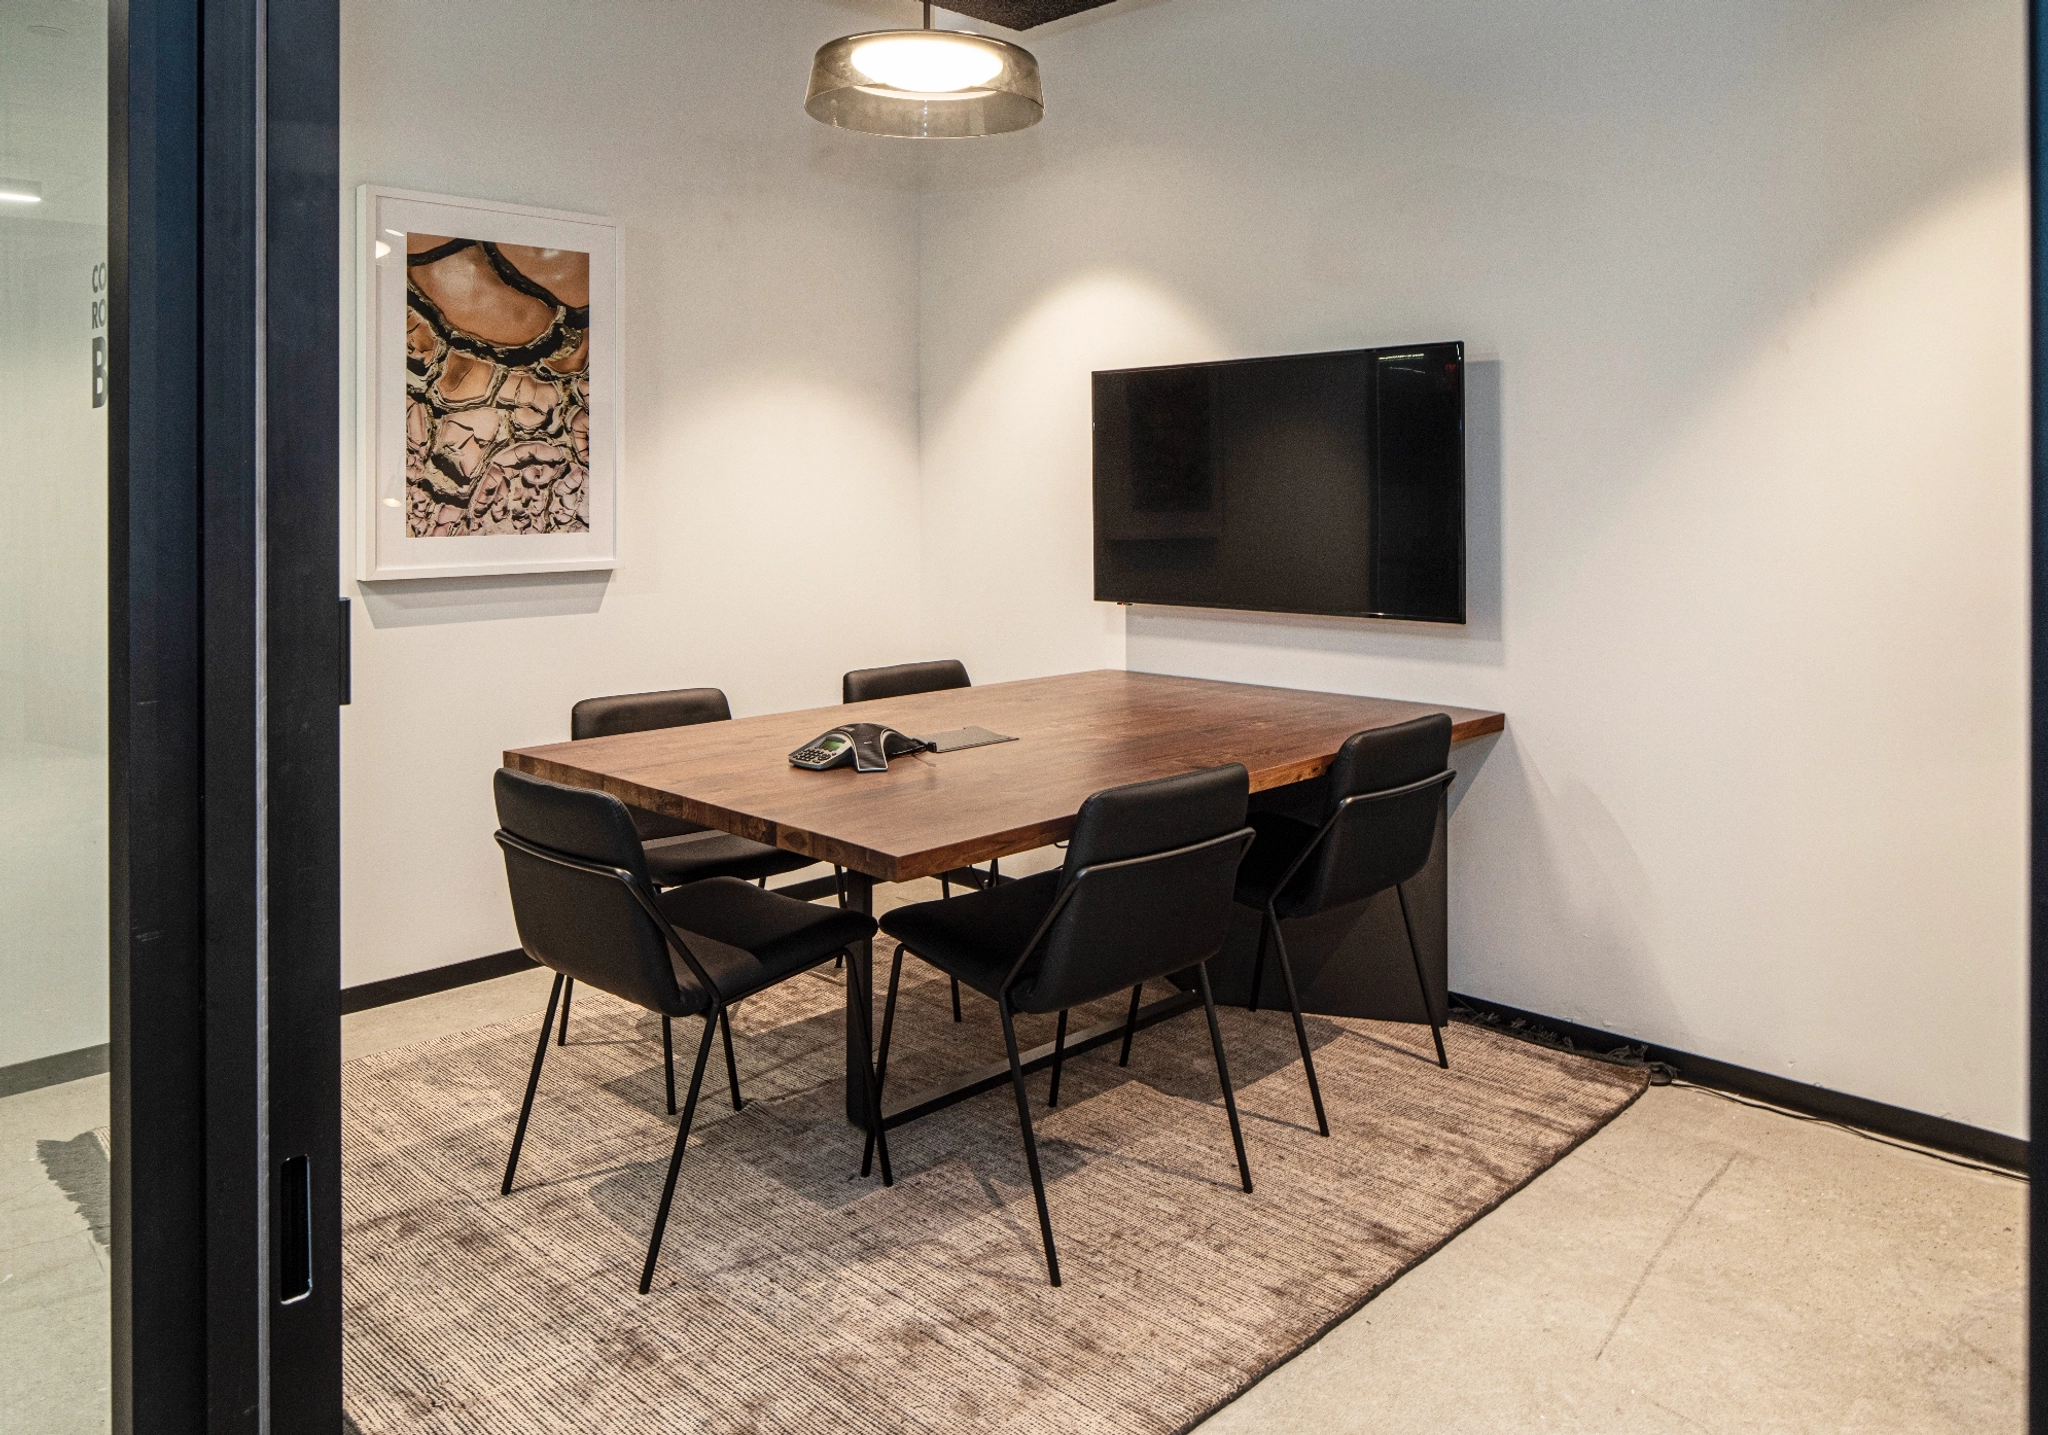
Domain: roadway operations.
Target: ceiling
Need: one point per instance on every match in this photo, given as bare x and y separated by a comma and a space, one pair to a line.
53, 107
1021, 14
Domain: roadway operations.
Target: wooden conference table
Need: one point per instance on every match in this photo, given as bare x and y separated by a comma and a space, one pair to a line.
937, 813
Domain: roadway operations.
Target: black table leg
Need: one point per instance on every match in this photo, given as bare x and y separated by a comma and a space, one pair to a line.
860, 897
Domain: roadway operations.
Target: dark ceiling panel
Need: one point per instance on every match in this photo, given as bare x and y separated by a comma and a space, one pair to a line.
1021, 14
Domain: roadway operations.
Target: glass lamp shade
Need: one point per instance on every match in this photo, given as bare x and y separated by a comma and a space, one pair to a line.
925, 84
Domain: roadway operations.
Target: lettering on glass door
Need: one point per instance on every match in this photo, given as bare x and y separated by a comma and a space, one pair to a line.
99, 336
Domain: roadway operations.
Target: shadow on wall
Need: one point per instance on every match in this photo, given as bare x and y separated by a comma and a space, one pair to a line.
1536, 864
1479, 640
433, 602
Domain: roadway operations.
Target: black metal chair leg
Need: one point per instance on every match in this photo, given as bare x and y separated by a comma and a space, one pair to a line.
568, 991
1258, 970
1131, 1024
839, 884
878, 1139
1308, 1062
668, 1062
946, 891
1052, 1259
732, 1067
675, 1161
1059, 1060
1244, 1169
1429, 1007
882, 1056
540, 1054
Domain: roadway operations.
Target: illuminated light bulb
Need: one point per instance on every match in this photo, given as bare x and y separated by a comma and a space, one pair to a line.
20, 191
927, 63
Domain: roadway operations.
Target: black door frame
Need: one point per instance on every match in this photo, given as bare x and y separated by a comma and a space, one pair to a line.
223, 245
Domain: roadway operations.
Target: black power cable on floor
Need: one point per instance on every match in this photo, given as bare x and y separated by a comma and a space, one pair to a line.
1662, 1073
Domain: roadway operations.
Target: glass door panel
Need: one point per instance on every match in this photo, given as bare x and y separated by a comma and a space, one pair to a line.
54, 1219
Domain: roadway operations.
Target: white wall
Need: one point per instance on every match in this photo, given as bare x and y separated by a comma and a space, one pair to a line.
768, 499
53, 644
1744, 288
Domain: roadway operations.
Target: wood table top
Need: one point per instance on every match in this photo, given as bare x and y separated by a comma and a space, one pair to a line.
931, 813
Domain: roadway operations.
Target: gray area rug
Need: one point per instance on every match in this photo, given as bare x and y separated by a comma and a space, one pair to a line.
793, 1297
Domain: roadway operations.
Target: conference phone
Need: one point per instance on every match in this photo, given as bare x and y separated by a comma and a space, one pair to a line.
867, 745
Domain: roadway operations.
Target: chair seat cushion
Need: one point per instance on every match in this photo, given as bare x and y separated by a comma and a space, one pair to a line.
718, 854
978, 936
756, 938
1279, 841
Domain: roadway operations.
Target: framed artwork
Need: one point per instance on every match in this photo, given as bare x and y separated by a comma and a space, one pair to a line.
487, 387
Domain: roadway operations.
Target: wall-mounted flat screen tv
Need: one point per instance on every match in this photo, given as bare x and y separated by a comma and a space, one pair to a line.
1319, 483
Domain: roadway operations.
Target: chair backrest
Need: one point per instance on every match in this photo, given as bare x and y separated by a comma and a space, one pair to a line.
584, 924
1146, 889
645, 712
1374, 842
866, 684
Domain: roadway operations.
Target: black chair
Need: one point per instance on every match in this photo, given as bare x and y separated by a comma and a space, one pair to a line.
1378, 826
901, 681
678, 851
1145, 893
586, 906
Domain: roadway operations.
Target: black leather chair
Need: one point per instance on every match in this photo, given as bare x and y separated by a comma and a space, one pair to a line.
1379, 822
671, 860
867, 684
1145, 893
678, 851
587, 906
901, 681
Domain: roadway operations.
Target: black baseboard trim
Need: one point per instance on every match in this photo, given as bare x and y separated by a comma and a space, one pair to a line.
53, 1070
434, 979
1937, 1133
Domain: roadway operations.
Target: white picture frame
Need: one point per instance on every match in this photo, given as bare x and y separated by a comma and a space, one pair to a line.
533, 470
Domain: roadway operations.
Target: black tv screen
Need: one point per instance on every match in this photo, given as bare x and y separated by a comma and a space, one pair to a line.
1319, 483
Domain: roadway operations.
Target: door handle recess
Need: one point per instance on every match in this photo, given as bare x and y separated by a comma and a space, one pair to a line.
295, 1230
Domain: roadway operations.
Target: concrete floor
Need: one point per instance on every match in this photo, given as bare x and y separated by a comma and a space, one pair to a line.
54, 1345
1696, 1266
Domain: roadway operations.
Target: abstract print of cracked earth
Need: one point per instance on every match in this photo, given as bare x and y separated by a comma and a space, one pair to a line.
497, 388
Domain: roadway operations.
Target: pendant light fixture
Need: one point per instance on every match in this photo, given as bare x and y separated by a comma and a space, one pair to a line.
925, 84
